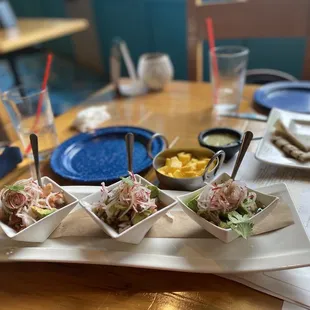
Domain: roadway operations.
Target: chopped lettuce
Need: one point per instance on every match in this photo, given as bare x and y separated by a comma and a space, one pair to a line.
237, 221
141, 216
15, 188
128, 181
193, 204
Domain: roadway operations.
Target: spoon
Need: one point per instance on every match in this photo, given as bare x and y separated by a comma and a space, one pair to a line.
246, 140
130, 139
35, 152
240, 141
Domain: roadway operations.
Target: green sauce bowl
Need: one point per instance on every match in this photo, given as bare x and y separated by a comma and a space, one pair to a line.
229, 149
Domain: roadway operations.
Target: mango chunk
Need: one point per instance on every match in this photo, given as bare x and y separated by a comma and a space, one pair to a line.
190, 174
184, 165
175, 163
163, 169
201, 164
184, 157
168, 162
177, 174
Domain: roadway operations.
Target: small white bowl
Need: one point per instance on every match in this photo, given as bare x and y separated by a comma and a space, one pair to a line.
137, 232
41, 230
226, 235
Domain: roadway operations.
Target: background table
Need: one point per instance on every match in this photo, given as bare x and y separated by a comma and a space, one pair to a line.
32, 31
180, 112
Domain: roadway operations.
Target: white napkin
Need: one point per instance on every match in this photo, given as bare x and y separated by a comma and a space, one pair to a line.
90, 118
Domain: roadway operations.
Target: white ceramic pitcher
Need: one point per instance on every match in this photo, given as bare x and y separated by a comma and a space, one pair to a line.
155, 70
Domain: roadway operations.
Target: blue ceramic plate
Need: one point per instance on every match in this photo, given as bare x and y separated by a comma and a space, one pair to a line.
101, 156
289, 96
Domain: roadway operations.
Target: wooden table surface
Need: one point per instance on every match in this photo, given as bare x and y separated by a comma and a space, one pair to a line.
31, 31
180, 112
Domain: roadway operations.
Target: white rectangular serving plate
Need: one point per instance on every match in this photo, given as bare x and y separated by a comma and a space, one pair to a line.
273, 251
268, 153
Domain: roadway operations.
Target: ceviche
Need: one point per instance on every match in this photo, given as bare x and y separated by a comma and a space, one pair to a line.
228, 205
25, 202
127, 204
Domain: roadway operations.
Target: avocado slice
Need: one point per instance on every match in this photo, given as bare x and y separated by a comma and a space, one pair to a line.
224, 225
243, 210
193, 205
141, 216
40, 213
117, 209
154, 190
124, 218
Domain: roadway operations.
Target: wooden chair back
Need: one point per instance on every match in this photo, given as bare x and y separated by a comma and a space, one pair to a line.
245, 19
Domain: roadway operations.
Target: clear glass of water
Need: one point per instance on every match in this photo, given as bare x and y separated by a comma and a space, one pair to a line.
228, 76
28, 116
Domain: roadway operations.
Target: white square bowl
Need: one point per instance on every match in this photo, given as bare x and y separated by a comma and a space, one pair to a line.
41, 230
226, 235
137, 232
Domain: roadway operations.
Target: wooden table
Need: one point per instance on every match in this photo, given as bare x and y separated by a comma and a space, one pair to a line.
31, 31
180, 112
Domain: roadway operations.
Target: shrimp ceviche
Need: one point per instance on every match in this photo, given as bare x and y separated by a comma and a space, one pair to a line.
228, 205
127, 204
25, 202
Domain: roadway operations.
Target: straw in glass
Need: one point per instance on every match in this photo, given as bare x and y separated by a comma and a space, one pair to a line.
211, 39
41, 97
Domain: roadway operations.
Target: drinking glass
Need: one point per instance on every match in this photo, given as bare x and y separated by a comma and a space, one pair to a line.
30, 111
228, 71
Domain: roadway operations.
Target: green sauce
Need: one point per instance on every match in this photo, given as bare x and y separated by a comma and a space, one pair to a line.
220, 139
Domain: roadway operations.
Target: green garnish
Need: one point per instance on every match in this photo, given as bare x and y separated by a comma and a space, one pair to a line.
128, 181
193, 204
240, 224
15, 188
154, 190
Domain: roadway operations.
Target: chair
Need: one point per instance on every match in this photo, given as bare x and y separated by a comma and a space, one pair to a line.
245, 19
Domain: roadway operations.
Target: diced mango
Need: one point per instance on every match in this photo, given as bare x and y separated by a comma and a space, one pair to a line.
184, 165
200, 172
189, 174
178, 174
184, 157
168, 162
205, 159
201, 164
175, 163
187, 168
163, 169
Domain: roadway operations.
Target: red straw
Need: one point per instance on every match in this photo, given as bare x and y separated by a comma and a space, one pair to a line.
41, 97
210, 31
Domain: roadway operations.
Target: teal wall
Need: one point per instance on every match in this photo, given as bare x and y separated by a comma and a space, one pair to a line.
160, 25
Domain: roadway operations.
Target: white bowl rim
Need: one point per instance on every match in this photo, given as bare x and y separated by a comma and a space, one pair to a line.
115, 233
275, 198
32, 225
